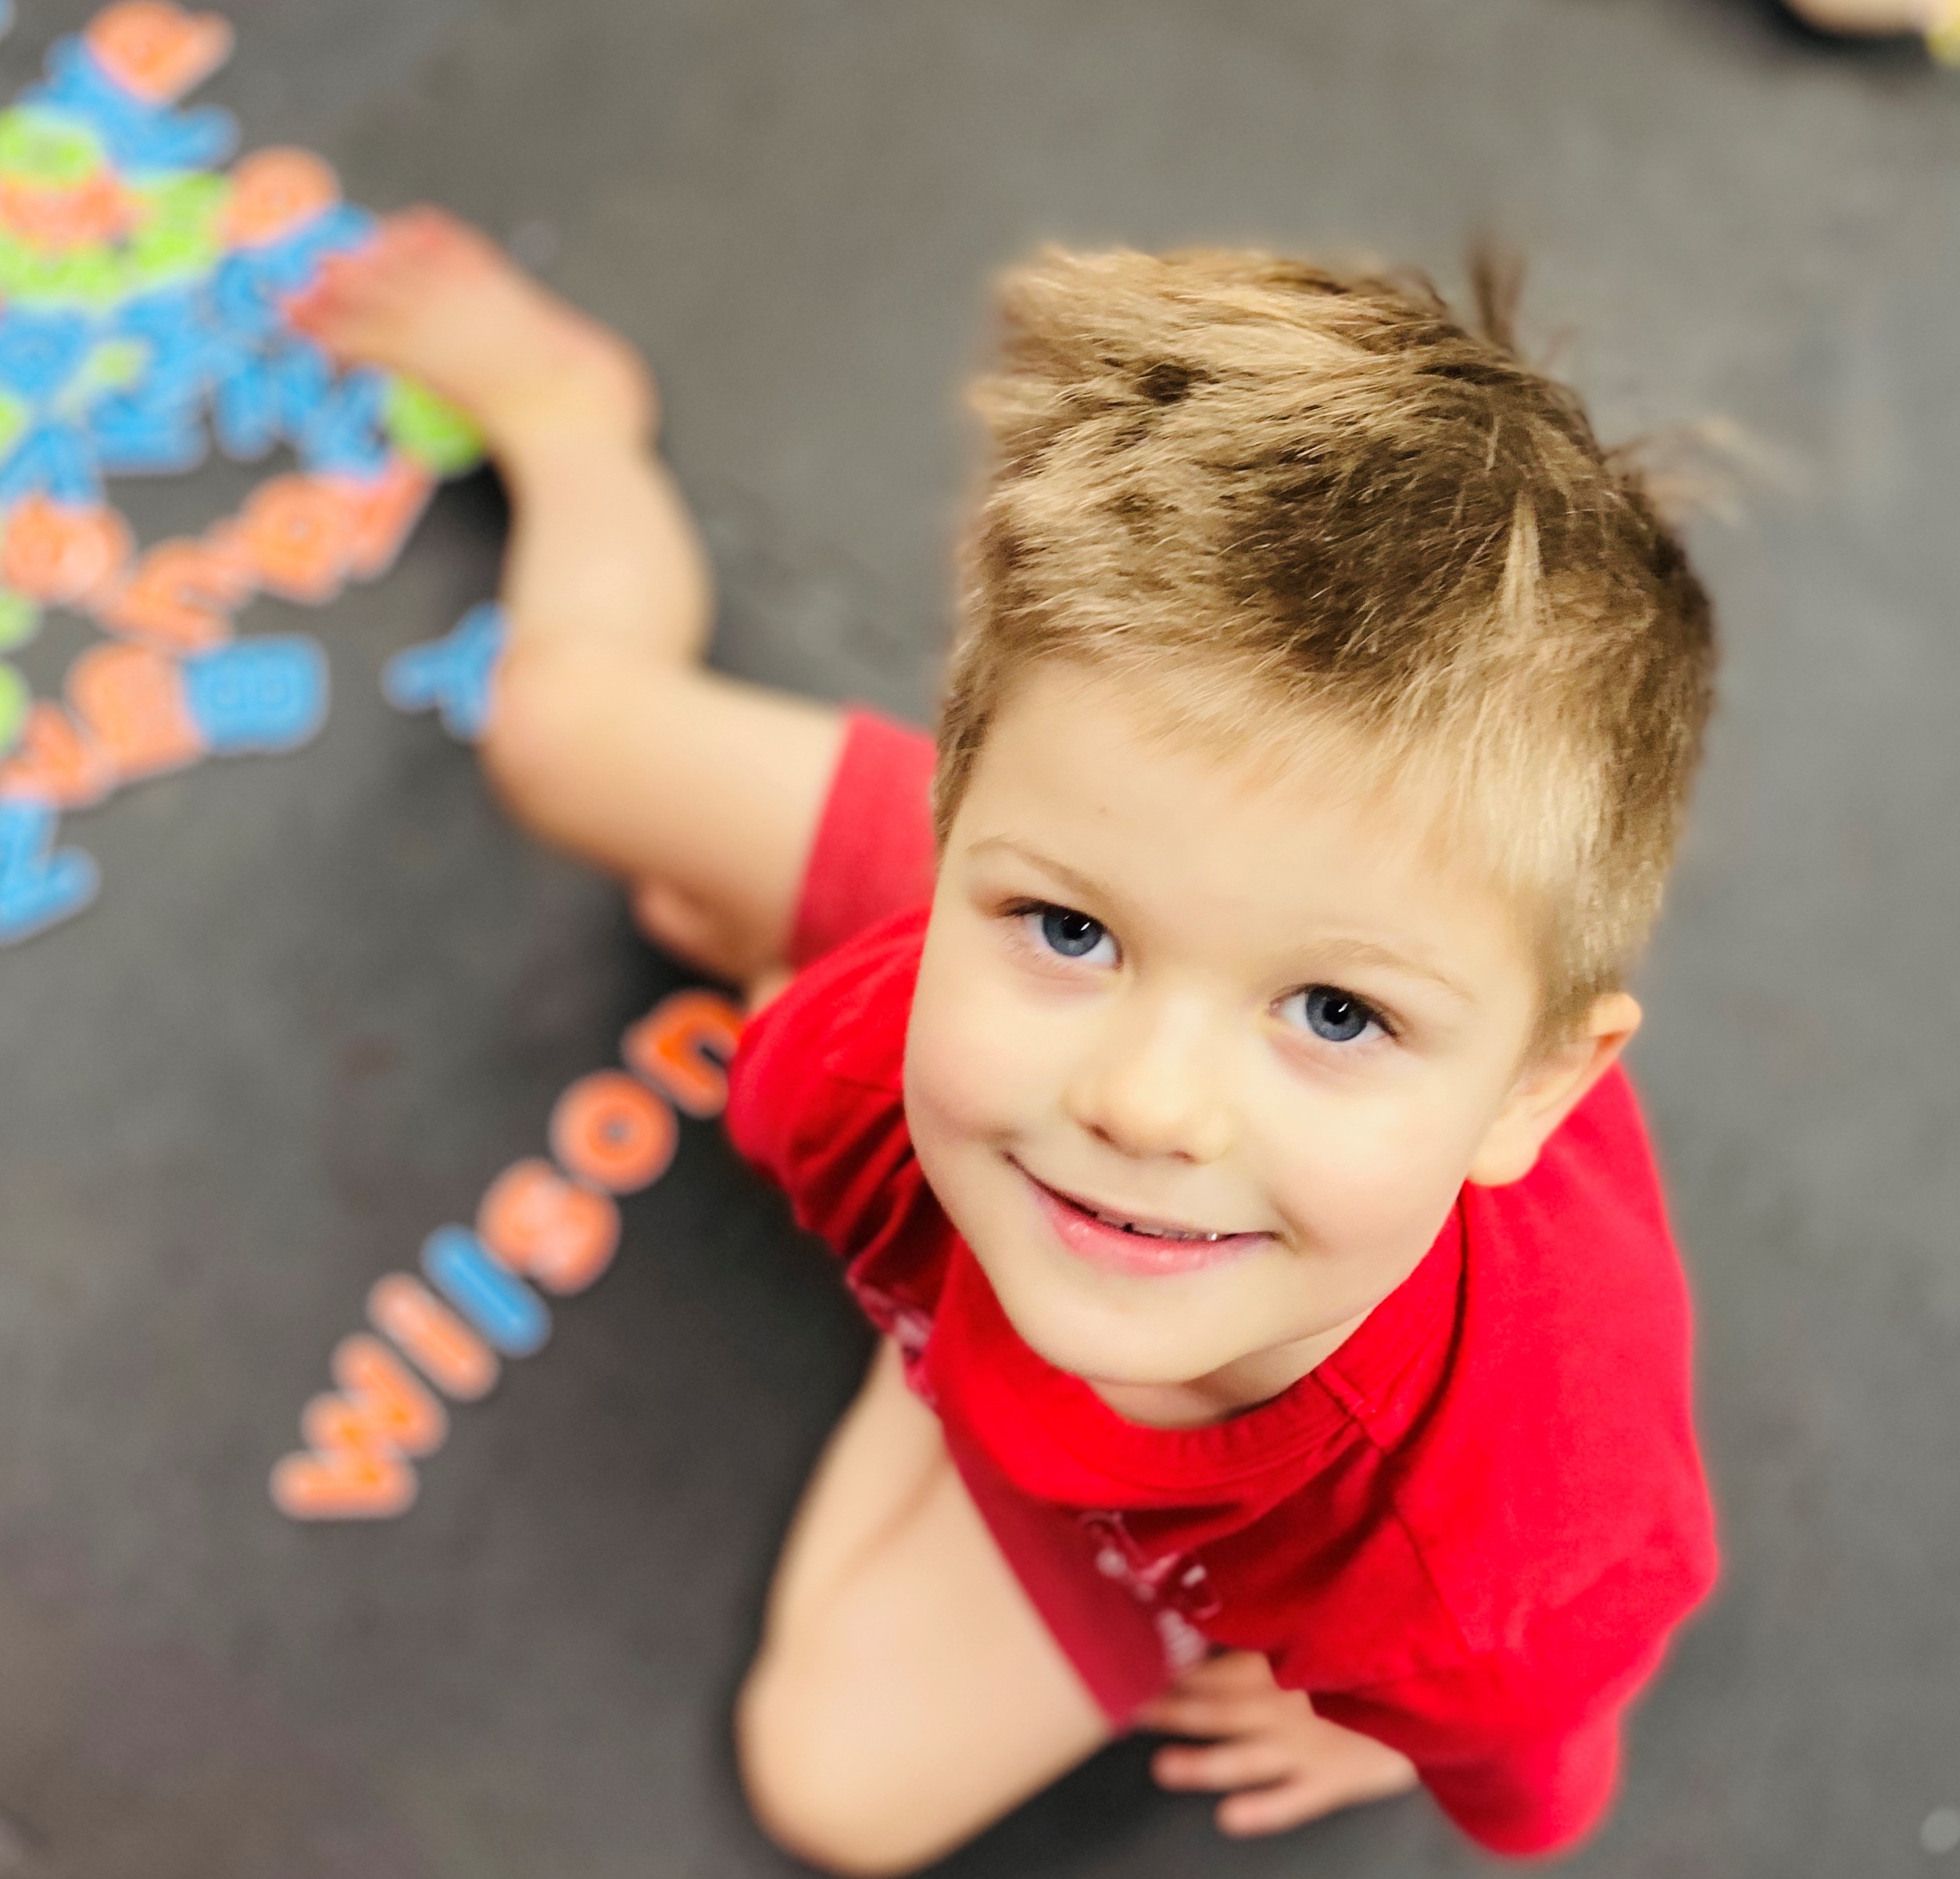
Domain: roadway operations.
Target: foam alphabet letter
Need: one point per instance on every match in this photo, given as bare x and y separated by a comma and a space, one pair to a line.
499, 1304
452, 674
57, 762
557, 1231
350, 1470
388, 1395
62, 555
446, 1351
131, 699
299, 531
40, 885
180, 597
384, 508
612, 1131
267, 693
676, 1045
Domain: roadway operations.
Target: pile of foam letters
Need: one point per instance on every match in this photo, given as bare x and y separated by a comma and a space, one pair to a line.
140, 289
141, 292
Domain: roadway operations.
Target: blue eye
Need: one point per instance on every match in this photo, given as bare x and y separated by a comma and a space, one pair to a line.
1072, 935
1337, 1017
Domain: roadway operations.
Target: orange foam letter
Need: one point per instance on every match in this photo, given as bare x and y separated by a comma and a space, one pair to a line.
350, 1471
61, 553
670, 1048
56, 761
299, 530
274, 190
156, 50
449, 1353
179, 597
610, 1130
388, 1393
131, 699
385, 510
551, 1229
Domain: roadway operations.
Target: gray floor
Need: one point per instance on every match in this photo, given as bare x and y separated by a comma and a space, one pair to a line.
325, 997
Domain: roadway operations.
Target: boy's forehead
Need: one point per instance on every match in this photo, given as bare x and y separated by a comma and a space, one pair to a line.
1110, 781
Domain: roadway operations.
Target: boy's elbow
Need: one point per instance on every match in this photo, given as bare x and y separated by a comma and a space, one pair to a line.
533, 739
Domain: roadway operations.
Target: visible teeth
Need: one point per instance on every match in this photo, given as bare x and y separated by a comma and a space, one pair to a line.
1153, 1233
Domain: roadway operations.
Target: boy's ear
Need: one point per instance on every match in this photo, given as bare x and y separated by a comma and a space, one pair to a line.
1548, 1091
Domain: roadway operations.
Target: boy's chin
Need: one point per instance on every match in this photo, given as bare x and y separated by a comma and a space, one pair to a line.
1092, 1340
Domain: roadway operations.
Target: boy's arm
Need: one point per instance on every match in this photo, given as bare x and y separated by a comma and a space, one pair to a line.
605, 734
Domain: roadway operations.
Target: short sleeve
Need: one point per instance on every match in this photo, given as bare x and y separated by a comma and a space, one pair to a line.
1520, 1747
1512, 1790
872, 854
816, 1092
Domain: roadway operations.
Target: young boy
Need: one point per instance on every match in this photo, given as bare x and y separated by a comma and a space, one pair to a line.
1212, 1093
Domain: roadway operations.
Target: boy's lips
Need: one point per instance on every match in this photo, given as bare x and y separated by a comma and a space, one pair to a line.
1076, 1224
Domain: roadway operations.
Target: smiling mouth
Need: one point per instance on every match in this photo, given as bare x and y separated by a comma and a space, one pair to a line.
1143, 1226
1133, 1243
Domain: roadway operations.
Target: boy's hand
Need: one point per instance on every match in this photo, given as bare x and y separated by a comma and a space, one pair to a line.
1289, 1765
681, 925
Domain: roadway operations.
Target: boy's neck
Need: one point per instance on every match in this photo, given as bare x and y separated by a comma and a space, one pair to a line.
1230, 1390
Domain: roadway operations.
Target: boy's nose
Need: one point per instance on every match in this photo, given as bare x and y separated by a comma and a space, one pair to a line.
1151, 1086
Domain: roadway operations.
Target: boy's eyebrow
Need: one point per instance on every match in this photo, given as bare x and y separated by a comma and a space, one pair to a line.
1352, 949
1370, 952
1082, 883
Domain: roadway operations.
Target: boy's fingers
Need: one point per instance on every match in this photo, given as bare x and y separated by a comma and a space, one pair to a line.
1271, 1810
1202, 1714
1229, 1671
1240, 1764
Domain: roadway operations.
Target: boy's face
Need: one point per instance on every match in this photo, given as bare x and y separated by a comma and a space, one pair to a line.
1199, 1000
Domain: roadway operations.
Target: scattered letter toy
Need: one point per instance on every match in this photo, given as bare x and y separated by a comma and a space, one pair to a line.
610, 1129
40, 885
156, 51
53, 457
557, 1231
179, 597
384, 509
387, 1393
452, 674
264, 694
60, 554
39, 351
57, 762
434, 433
448, 1353
146, 432
499, 1305
131, 700
681, 1047
274, 192
299, 531
351, 1471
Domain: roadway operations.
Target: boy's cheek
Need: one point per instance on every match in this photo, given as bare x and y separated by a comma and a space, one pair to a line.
975, 1054
975, 1069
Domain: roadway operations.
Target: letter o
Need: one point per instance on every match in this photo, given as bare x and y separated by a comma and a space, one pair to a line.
610, 1129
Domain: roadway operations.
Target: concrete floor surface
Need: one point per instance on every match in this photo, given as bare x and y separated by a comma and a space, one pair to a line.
325, 997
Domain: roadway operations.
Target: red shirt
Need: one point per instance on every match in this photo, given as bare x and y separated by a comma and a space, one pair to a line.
1468, 1532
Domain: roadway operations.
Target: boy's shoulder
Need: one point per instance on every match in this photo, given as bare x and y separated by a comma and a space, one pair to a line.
1553, 1452
816, 1089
